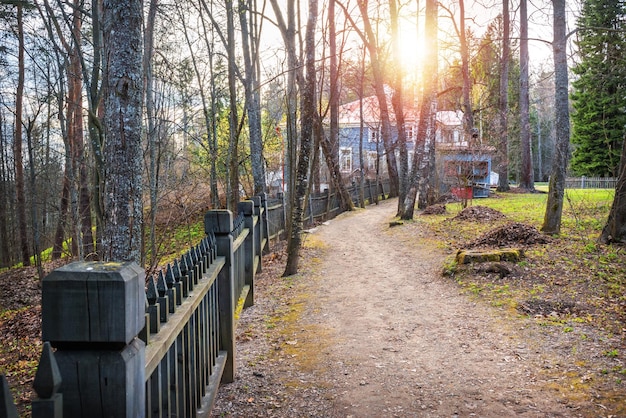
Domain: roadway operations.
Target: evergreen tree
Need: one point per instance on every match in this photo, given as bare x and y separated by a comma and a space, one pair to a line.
598, 99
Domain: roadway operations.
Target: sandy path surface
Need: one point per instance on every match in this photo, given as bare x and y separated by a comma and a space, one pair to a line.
406, 342
370, 328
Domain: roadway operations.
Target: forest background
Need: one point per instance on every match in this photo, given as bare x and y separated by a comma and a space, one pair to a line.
239, 94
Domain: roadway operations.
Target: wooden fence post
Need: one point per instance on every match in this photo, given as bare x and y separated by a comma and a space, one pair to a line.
7, 406
92, 313
251, 262
258, 232
281, 196
49, 403
220, 222
265, 226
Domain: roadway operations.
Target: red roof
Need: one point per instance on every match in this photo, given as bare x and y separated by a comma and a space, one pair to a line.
349, 114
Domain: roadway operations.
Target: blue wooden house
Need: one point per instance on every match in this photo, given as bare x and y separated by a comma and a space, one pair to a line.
461, 165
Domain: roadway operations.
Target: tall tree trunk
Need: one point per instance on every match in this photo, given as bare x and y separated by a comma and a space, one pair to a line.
82, 210
209, 107
17, 143
249, 38
330, 144
554, 205
503, 102
152, 134
526, 178
59, 235
423, 167
94, 124
379, 88
468, 111
307, 123
397, 101
5, 254
428, 112
333, 129
233, 143
123, 82
33, 206
288, 33
362, 130
615, 228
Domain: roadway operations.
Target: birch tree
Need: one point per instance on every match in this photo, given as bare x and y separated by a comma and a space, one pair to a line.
308, 98
287, 29
423, 167
397, 101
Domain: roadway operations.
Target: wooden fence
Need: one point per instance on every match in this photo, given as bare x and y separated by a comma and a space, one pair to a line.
590, 182
130, 346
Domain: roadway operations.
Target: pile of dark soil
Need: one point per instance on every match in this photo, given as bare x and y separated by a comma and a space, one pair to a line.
435, 210
511, 234
480, 214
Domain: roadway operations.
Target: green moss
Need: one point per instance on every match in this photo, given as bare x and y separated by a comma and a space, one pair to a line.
505, 254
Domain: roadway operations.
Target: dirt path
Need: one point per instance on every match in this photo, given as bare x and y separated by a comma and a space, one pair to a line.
374, 330
408, 344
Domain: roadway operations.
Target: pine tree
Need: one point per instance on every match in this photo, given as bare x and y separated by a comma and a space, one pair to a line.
598, 99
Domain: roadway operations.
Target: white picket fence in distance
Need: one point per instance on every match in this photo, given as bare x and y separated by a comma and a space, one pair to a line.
590, 182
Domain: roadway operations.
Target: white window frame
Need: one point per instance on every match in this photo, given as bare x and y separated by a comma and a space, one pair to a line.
373, 134
345, 159
372, 156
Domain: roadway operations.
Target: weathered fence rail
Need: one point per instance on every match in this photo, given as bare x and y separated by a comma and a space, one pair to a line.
590, 182
127, 345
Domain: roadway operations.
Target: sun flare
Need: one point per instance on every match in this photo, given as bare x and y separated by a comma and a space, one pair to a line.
411, 48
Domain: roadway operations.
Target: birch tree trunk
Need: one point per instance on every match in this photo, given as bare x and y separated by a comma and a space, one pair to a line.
307, 123
423, 167
288, 33
397, 101
123, 101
